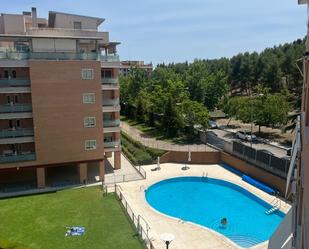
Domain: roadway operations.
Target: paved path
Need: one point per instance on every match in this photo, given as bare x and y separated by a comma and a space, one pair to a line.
159, 144
125, 174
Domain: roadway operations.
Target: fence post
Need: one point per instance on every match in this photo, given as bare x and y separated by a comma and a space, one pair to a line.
123, 178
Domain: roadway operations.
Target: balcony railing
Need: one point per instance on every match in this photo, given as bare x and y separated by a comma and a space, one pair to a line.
110, 58
109, 80
111, 144
48, 56
19, 132
110, 102
10, 158
14, 82
111, 123
15, 108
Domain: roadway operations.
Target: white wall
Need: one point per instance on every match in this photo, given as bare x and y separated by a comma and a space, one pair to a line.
13, 24
67, 21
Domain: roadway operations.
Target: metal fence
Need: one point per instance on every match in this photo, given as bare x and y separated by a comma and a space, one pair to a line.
275, 165
138, 221
111, 179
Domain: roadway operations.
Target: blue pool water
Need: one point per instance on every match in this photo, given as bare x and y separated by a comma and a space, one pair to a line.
205, 201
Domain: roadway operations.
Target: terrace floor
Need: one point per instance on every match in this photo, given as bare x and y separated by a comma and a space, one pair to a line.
188, 235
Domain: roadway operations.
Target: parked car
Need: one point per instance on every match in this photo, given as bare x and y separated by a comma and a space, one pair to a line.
212, 124
246, 136
267, 152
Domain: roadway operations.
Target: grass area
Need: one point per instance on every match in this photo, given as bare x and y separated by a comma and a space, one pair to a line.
153, 132
40, 221
137, 153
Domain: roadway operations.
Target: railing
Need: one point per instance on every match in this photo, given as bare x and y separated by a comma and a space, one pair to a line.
110, 102
110, 80
8, 158
19, 132
109, 58
111, 144
67, 32
138, 221
111, 123
48, 56
14, 82
275, 165
15, 108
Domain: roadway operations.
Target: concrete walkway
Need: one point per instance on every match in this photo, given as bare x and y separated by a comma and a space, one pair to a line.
126, 173
159, 144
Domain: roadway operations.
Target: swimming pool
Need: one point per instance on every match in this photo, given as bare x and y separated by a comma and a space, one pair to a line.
205, 201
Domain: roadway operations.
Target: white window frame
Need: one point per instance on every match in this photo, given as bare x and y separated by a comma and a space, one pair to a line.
90, 144
89, 122
87, 98
87, 73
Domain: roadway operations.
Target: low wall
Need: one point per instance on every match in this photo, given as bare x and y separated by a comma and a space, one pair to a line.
255, 172
214, 157
209, 157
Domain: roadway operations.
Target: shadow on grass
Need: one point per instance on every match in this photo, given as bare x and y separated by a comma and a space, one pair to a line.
153, 132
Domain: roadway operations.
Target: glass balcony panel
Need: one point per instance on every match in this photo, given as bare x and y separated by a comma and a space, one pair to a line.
23, 156
110, 58
111, 123
109, 80
112, 144
18, 132
9, 55
15, 108
110, 102
14, 82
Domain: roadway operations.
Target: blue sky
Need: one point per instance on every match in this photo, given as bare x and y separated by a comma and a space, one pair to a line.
178, 30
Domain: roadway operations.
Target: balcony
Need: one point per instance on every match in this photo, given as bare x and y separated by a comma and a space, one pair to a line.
110, 102
111, 123
48, 56
62, 32
14, 82
18, 132
15, 108
109, 58
23, 156
113, 144
109, 80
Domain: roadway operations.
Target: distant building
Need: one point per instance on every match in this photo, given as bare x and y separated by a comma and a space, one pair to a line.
126, 66
59, 96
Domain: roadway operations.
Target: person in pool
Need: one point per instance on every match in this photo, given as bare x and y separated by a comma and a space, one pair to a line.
224, 221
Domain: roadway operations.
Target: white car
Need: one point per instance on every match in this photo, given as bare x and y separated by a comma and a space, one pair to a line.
246, 135
212, 124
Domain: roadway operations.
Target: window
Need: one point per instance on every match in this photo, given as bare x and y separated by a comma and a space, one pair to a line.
88, 98
106, 73
87, 74
90, 144
77, 25
89, 122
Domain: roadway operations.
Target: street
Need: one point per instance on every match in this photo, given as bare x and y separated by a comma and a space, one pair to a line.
229, 136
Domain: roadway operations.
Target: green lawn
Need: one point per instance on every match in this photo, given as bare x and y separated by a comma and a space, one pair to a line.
40, 221
158, 134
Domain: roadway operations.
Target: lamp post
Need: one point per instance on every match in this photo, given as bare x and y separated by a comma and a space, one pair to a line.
167, 238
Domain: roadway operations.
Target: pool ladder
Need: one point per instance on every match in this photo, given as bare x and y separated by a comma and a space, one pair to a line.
205, 175
276, 204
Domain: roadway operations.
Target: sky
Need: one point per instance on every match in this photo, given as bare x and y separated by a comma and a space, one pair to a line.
182, 30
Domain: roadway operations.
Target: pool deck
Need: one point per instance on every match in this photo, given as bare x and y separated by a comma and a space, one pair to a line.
187, 235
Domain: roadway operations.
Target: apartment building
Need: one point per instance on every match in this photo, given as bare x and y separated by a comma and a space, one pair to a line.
126, 66
293, 232
59, 96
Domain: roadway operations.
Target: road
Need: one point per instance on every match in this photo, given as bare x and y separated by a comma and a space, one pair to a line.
229, 136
